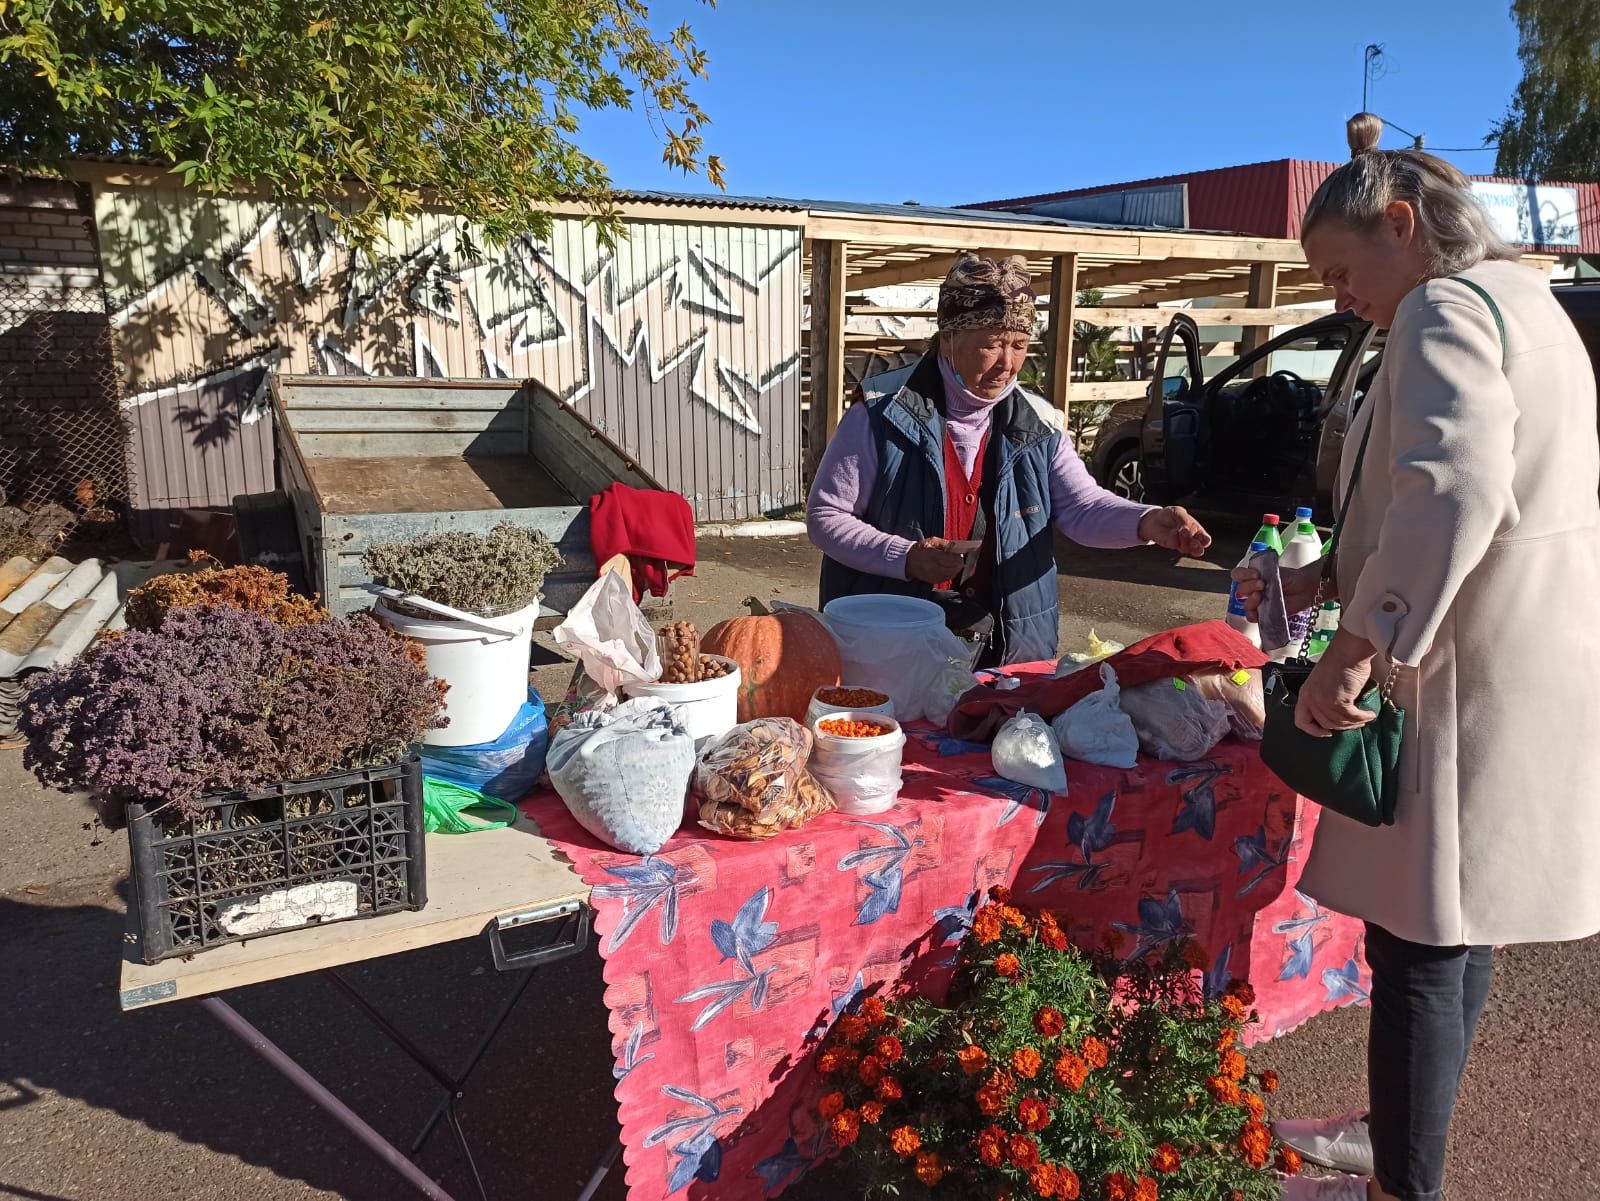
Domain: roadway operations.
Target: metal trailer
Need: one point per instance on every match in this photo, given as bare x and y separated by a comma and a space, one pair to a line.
374, 460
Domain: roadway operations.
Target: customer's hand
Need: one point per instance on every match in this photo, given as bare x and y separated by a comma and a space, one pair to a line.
1174, 529
933, 562
1299, 588
1328, 698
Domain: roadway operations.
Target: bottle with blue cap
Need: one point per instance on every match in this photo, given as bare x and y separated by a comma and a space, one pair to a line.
1304, 548
1238, 617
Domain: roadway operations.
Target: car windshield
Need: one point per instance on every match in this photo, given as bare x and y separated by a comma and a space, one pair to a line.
1311, 358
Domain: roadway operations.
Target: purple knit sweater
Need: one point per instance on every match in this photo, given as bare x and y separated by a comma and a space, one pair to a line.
1084, 511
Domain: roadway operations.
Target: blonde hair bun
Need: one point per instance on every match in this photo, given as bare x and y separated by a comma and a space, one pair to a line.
1363, 131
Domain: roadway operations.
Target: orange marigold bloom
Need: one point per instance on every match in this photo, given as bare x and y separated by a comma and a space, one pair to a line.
1254, 1106
851, 1028
844, 1128
991, 1102
889, 1089
1269, 1081
1147, 1190
930, 1168
1007, 965
889, 1049
986, 926
1119, 1187
829, 1062
1024, 1152
1013, 917
973, 1060
831, 1105
1234, 1066
992, 1145
1289, 1161
1227, 1039
849, 1057
872, 1070
1223, 1089
1095, 1052
1027, 1062
1033, 1113
1242, 990
1166, 1159
1053, 938
1071, 1071
871, 1111
1255, 1142
1235, 1008
874, 1011
1068, 1186
1000, 894
1043, 1179
904, 1141
1049, 1021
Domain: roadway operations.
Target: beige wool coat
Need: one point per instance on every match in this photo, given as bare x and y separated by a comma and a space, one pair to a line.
1471, 556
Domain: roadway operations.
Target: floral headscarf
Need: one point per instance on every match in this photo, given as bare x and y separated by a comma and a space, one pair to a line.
988, 294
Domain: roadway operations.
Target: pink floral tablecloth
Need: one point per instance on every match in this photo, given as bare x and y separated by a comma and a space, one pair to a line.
726, 960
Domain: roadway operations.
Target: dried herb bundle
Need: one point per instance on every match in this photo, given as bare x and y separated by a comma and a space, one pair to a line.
255, 589
221, 698
501, 570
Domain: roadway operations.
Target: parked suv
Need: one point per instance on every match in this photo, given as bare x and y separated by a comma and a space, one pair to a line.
1269, 428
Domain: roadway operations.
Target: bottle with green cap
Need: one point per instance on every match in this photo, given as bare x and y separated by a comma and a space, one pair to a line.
1303, 549
1269, 534
1322, 633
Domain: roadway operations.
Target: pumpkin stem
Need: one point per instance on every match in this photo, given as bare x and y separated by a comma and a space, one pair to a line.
757, 609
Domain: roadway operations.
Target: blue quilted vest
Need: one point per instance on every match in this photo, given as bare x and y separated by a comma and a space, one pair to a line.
907, 425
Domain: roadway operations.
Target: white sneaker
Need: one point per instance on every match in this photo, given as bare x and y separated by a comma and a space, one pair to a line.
1343, 1144
1325, 1188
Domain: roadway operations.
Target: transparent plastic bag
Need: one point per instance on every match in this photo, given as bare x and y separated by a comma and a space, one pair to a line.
1096, 730
624, 772
1173, 721
1244, 695
1026, 750
508, 767
753, 782
913, 665
610, 637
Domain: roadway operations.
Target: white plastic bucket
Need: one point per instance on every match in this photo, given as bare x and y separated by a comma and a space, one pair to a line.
862, 774
708, 708
487, 672
821, 708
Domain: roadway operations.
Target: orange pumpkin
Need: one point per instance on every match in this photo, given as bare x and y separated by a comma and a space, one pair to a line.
783, 659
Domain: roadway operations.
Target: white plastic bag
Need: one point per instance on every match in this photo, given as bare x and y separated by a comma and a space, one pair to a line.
904, 663
1096, 730
1025, 750
607, 633
949, 684
1174, 721
624, 773
863, 774
1099, 648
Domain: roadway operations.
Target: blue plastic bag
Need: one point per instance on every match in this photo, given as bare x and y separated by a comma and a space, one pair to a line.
508, 767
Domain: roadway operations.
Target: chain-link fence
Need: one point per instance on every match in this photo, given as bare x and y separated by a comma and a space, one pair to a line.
63, 437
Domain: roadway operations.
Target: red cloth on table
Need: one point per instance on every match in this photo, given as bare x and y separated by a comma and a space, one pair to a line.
654, 529
1185, 651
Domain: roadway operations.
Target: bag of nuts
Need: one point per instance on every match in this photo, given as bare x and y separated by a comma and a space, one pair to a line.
753, 783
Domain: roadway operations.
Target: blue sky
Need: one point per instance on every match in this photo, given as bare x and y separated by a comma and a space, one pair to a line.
951, 101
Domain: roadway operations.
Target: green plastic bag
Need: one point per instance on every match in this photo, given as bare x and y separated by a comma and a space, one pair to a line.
445, 808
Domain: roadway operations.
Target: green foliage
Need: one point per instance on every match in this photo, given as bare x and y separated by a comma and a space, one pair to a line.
1552, 128
366, 111
499, 571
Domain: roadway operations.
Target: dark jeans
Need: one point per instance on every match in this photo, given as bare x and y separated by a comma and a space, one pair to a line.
1425, 1006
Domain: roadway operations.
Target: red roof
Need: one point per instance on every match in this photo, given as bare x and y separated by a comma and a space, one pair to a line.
1268, 199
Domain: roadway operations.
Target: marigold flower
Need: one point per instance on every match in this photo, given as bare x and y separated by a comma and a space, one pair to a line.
1000, 894
1255, 1142
992, 1146
874, 1011
829, 1062
1095, 1052
831, 1105
904, 1141
851, 1028
1269, 1081
1242, 990
974, 1060
1235, 1008
1043, 1179
849, 1057
1254, 1106
930, 1168
1027, 1062
1013, 917
1068, 1186
1007, 965
1227, 1039
1224, 1090
986, 927
1032, 1113
1003, 1083
1234, 1066
889, 1089
1289, 1161
1119, 1187
871, 1070
1049, 1021
844, 1128
1147, 1190
889, 1049
990, 1102
871, 1111
1024, 1152
1053, 938
1071, 1071
1166, 1159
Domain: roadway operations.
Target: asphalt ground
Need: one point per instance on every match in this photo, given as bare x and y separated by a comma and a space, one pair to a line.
98, 1105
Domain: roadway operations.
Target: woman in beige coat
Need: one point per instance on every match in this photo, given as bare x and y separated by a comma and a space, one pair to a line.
1469, 564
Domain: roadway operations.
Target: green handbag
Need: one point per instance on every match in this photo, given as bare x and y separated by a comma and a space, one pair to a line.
1355, 773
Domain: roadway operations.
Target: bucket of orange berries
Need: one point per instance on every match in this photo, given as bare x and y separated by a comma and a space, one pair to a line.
1052, 1072
856, 757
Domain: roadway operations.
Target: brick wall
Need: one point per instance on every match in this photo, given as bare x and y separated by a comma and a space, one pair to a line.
60, 425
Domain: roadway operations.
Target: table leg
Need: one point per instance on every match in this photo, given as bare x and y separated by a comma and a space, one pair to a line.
337, 1109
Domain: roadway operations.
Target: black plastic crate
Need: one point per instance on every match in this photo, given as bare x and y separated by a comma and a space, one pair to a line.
363, 826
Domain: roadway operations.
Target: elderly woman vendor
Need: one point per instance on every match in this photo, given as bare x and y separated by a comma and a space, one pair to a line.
945, 480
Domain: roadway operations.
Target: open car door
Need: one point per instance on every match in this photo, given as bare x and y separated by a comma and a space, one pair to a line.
1173, 439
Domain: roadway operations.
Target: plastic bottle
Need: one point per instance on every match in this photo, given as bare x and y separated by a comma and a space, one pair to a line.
1238, 618
1322, 633
1269, 535
1303, 549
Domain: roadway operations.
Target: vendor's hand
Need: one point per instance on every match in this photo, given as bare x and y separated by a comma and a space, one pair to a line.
933, 562
1299, 588
1327, 700
1174, 529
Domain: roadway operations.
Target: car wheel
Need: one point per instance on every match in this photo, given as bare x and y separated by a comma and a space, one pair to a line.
1125, 474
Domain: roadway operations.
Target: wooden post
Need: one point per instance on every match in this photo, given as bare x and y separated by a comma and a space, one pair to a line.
1263, 295
828, 264
1063, 300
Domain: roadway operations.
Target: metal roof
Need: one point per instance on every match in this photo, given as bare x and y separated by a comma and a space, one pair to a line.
50, 611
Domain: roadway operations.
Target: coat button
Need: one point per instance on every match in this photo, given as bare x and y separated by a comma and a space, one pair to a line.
971, 498
1389, 606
